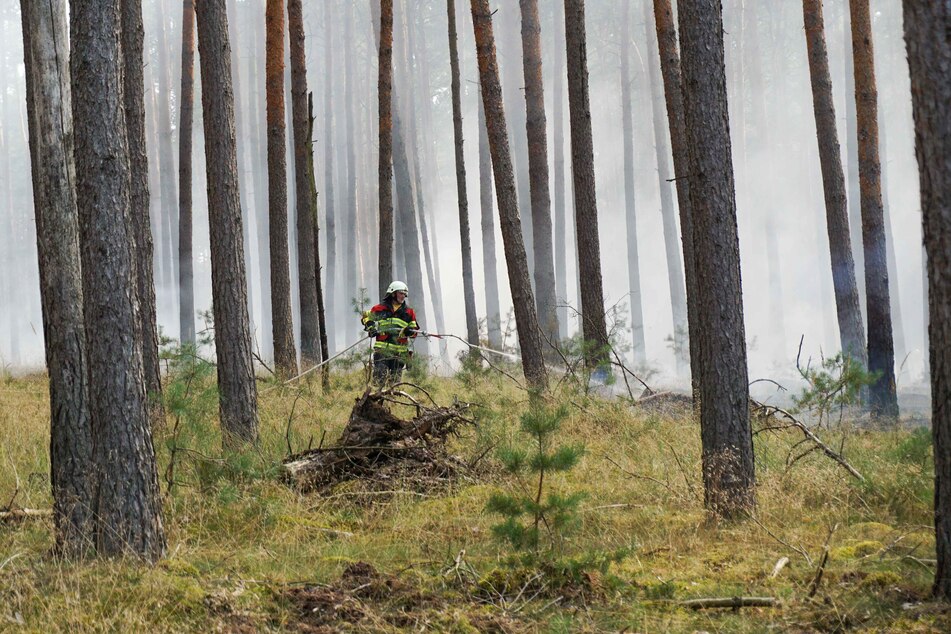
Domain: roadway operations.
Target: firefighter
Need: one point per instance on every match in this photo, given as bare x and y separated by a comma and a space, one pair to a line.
392, 323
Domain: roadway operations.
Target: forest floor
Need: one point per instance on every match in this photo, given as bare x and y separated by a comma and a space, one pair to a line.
246, 553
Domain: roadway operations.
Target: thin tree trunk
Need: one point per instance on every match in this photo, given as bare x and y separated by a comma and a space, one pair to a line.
673, 95
927, 25
851, 330
282, 322
306, 263
385, 97
894, 293
675, 267
586, 205
627, 131
127, 503
186, 287
238, 398
727, 441
46, 60
883, 400
166, 159
133, 94
561, 221
536, 129
468, 288
353, 208
526, 320
852, 160
493, 316
321, 318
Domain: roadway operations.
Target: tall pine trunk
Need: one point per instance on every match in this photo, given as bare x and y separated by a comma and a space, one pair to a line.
186, 285
627, 130
493, 316
353, 208
46, 60
927, 25
321, 317
526, 320
282, 322
127, 502
537, 133
673, 95
238, 397
851, 330
385, 174
675, 265
306, 264
594, 330
727, 442
883, 400
561, 197
468, 288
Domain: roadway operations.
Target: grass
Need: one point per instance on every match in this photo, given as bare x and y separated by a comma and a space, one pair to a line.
240, 540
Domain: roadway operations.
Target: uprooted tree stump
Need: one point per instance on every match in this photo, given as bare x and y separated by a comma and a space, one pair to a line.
375, 441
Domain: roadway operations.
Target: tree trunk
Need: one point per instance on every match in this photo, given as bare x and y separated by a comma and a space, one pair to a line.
186, 286
46, 60
536, 128
898, 330
127, 503
385, 97
927, 25
312, 175
351, 324
586, 203
561, 221
627, 130
726, 437
673, 95
282, 322
134, 97
166, 160
851, 330
852, 160
675, 267
306, 264
493, 316
468, 288
883, 400
238, 398
526, 320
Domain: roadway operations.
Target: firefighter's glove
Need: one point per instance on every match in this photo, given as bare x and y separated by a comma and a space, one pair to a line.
372, 332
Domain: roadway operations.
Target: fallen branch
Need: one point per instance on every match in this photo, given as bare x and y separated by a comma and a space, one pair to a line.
817, 579
15, 515
771, 411
730, 602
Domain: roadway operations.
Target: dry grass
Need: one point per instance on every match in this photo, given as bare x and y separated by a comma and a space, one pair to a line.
240, 541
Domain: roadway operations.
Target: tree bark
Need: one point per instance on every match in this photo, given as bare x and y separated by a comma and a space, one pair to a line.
639, 349
726, 436
675, 266
927, 25
493, 316
526, 320
282, 322
127, 502
851, 330
306, 263
46, 60
673, 95
852, 160
186, 285
883, 400
312, 175
586, 204
468, 288
238, 398
536, 129
385, 97
351, 325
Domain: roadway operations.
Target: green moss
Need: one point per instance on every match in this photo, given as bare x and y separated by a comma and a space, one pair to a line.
856, 550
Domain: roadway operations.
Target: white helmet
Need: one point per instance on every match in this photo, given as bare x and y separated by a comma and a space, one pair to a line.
395, 286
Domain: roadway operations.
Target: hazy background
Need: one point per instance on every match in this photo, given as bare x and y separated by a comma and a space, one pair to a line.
776, 164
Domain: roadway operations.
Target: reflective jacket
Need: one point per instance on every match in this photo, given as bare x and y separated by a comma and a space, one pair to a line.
394, 328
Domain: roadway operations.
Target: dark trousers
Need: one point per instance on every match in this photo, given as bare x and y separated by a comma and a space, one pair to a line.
387, 369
